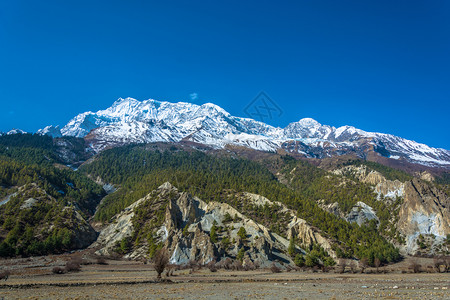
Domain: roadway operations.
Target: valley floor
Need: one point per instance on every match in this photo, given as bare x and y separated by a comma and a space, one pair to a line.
33, 279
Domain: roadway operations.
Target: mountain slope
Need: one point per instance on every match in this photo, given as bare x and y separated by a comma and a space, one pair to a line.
132, 121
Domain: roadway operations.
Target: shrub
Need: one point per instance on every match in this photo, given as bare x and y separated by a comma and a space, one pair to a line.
101, 261
377, 263
241, 253
256, 264
170, 268
364, 263
58, 270
274, 268
227, 263
352, 267
74, 264
342, 265
160, 261
438, 262
242, 233
237, 265
415, 266
4, 275
248, 264
299, 260
212, 266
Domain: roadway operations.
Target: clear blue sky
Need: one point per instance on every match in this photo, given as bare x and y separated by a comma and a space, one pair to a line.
377, 65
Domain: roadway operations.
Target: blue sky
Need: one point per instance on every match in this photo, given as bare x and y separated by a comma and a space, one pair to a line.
377, 65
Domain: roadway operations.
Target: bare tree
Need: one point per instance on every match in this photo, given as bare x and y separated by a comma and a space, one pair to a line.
415, 266
342, 265
377, 263
352, 267
438, 262
364, 263
446, 261
4, 275
274, 268
160, 261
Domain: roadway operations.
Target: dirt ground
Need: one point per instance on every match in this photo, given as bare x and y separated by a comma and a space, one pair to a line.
33, 279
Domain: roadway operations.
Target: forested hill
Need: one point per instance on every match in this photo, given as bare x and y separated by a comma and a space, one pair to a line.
46, 203
43, 204
136, 171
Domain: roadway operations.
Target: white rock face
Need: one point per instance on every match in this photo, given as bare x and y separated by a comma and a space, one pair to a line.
130, 121
187, 225
383, 187
361, 213
424, 212
297, 227
119, 229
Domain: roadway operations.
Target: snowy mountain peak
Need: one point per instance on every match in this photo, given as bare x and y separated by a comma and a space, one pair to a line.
16, 131
309, 122
216, 108
132, 121
53, 131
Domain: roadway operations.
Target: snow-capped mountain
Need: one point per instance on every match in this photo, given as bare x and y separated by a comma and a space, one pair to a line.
51, 131
16, 131
132, 121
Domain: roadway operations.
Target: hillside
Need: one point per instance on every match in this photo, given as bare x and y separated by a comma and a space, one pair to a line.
293, 211
44, 206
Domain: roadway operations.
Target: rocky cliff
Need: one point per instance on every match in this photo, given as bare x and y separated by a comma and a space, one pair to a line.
194, 230
424, 218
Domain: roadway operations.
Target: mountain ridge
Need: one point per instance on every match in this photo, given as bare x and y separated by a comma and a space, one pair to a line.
132, 121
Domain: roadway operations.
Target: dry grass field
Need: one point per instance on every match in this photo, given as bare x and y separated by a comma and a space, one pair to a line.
34, 278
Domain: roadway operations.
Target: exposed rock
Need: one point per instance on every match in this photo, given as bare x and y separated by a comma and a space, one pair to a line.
29, 203
361, 213
297, 227
426, 176
309, 235
425, 211
386, 189
389, 189
332, 208
120, 228
187, 225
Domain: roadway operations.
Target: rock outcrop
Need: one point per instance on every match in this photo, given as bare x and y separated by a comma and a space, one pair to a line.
186, 231
387, 190
298, 228
425, 211
361, 213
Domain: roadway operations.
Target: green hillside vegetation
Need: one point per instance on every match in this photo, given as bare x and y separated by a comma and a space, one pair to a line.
318, 184
443, 182
27, 168
138, 171
42, 149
